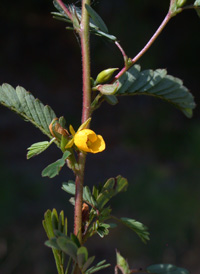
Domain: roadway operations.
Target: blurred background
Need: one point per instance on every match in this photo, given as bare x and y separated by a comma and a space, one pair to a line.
149, 142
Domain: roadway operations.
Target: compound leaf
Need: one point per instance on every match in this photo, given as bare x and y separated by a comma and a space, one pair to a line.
112, 187
38, 148
97, 26
98, 267
30, 109
158, 84
137, 227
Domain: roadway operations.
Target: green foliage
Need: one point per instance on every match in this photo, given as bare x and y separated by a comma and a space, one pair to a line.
97, 267
30, 109
38, 148
82, 256
97, 26
98, 21
158, 84
108, 89
51, 222
166, 269
53, 169
122, 264
112, 187
111, 99
71, 247
98, 199
137, 227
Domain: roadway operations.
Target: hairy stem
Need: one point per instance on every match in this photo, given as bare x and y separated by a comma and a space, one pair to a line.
65, 9
85, 49
153, 38
147, 46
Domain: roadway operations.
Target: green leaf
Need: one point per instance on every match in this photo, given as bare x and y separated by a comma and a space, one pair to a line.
53, 169
122, 264
68, 247
24, 104
98, 21
102, 230
47, 224
82, 256
54, 219
52, 244
137, 227
111, 99
69, 187
76, 11
88, 263
158, 84
111, 188
38, 148
166, 269
98, 267
75, 239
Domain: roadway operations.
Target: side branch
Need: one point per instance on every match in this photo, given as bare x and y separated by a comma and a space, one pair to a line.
147, 46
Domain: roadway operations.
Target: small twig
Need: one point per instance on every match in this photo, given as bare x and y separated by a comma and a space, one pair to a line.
123, 52
65, 9
153, 38
147, 46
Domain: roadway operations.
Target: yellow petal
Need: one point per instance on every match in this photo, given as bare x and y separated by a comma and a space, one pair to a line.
87, 140
72, 131
81, 139
98, 146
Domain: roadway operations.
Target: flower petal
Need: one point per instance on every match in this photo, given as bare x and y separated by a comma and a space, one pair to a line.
87, 140
98, 146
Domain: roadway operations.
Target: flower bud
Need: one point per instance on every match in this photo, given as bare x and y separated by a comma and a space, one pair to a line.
105, 75
108, 89
57, 130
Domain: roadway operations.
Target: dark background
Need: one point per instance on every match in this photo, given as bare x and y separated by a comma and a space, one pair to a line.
149, 142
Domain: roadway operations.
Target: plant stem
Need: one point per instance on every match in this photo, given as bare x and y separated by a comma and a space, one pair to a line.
125, 57
148, 45
153, 38
65, 9
85, 49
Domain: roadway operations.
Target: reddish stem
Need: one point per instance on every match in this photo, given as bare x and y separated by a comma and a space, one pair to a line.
85, 50
65, 9
147, 46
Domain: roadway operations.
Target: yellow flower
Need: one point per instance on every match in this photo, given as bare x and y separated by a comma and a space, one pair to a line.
87, 140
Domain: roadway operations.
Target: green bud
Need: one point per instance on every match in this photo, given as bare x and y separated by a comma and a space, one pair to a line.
105, 75
108, 89
180, 3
